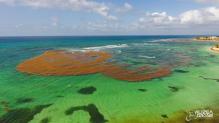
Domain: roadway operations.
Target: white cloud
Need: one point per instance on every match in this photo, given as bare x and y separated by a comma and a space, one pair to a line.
88, 5
128, 6
187, 22
8, 2
193, 16
125, 8
208, 15
157, 18
200, 21
201, 16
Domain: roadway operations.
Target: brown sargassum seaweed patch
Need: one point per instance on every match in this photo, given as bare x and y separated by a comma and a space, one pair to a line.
63, 63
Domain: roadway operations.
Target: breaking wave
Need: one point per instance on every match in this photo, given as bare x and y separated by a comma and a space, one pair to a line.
98, 48
147, 57
107, 47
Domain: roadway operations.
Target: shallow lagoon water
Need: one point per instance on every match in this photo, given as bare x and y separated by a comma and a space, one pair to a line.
192, 85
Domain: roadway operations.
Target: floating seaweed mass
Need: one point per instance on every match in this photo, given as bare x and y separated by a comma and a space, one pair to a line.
24, 100
87, 90
95, 115
23, 115
63, 63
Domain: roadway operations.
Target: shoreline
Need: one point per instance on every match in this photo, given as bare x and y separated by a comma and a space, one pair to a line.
206, 38
215, 49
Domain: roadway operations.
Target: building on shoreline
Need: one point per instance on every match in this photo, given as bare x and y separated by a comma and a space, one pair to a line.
207, 38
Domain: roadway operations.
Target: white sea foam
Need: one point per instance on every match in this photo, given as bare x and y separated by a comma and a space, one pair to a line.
172, 40
145, 44
151, 44
95, 48
162, 40
106, 47
147, 57
73, 50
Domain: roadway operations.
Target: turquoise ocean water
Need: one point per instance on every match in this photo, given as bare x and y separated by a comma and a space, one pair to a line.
193, 84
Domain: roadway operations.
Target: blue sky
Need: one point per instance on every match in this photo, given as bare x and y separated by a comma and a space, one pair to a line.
108, 17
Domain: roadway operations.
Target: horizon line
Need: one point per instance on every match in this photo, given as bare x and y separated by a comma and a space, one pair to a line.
99, 35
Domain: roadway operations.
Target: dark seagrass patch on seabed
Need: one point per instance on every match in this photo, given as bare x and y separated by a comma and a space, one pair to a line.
181, 71
87, 90
95, 115
22, 115
24, 100
5, 106
173, 88
45, 120
212, 56
164, 116
142, 90
59, 96
217, 80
